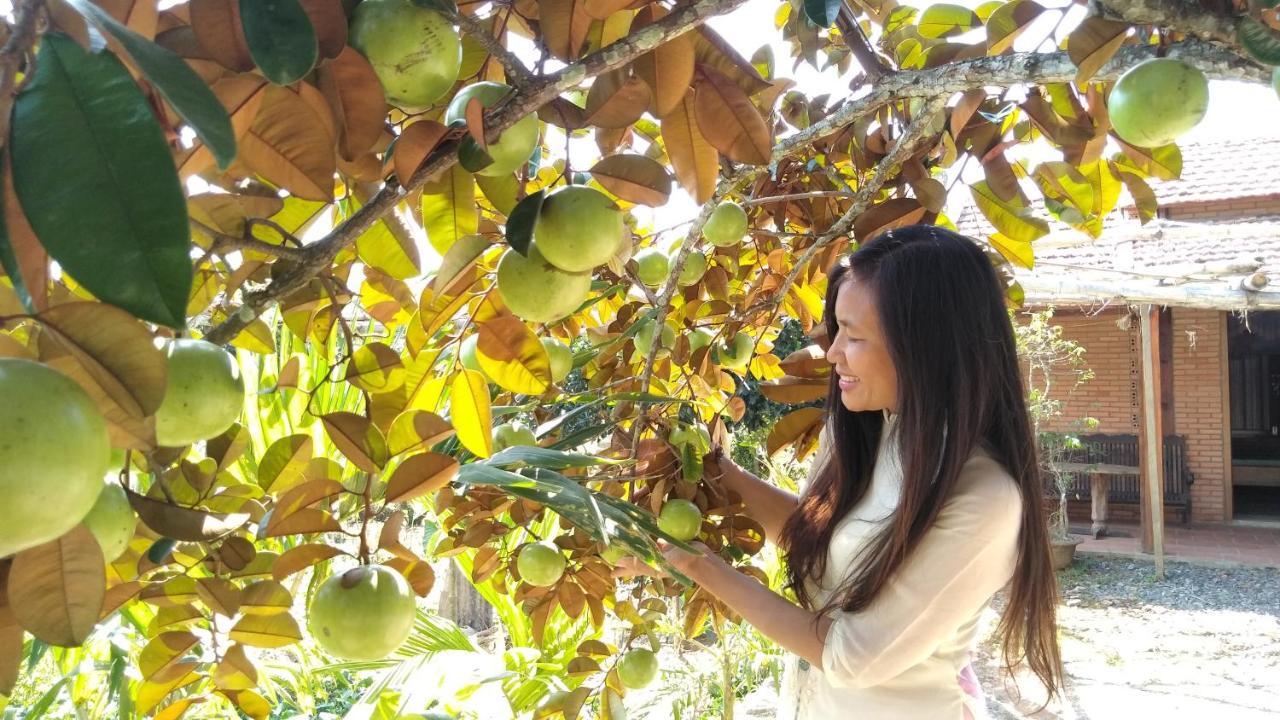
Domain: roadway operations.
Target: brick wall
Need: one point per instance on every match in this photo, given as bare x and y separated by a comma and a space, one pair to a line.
1113, 395
1226, 209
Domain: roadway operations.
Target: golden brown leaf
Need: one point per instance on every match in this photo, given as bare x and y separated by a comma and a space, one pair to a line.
55, 590
356, 101
728, 119
696, 162
290, 145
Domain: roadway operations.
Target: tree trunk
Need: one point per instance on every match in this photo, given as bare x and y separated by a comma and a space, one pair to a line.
461, 603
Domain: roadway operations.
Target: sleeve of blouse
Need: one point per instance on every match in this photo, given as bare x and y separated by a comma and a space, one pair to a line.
960, 563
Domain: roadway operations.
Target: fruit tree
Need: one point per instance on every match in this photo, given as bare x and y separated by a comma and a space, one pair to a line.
299, 278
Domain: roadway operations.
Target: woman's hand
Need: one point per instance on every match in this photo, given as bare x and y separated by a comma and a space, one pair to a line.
682, 560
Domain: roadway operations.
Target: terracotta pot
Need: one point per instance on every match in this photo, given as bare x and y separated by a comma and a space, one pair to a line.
1063, 552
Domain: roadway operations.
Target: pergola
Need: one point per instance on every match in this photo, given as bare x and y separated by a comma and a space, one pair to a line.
1200, 265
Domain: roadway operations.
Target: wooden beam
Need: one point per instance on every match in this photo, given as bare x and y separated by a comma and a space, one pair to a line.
1151, 439
1215, 295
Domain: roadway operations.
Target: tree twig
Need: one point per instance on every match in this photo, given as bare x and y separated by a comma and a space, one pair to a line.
518, 76
872, 64
223, 242
22, 38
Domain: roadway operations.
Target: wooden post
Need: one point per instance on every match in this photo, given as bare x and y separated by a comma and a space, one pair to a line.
1151, 439
1099, 491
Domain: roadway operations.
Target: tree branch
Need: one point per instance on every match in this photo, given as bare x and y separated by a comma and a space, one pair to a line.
497, 119
872, 64
902, 149
16, 49
1029, 68
1186, 16
223, 243
518, 76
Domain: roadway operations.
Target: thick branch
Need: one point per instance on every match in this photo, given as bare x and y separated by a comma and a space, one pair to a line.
1029, 68
1186, 16
497, 119
872, 64
22, 38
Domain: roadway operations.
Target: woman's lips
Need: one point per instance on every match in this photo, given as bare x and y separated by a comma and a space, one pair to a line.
847, 383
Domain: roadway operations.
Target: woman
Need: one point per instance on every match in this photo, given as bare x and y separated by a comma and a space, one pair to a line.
923, 502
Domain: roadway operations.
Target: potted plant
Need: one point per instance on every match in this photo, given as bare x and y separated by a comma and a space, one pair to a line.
1050, 358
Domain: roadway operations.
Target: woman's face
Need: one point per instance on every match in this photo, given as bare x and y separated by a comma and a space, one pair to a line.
858, 354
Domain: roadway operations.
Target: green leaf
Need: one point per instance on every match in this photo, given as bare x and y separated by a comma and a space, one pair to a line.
944, 19
520, 222
1012, 221
546, 458
1261, 41
501, 191
822, 12
176, 81
471, 157
95, 177
9, 260
281, 38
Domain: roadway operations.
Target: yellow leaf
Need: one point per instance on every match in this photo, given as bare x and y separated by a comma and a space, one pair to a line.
266, 631
150, 693
470, 413
266, 597
1011, 220
512, 356
376, 368
416, 430
1014, 251
356, 438
256, 338
235, 672
282, 466
421, 475
449, 209
696, 162
250, 703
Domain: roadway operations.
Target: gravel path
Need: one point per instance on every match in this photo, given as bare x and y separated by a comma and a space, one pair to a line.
1204, 643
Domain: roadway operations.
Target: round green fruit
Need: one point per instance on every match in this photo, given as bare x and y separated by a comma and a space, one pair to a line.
652, 267
363, 614
540, 564
680, 519
112, 521
511, 434
691, 435
467, 353
415, 52
560, 357
515, 145
638, 668
695, 266
727, 225
1158, 100
578, 228
736, 354
538, 291
644, 336
204, 395
53, 454
699, 339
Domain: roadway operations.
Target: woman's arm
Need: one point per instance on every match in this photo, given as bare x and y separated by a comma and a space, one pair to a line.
767, 504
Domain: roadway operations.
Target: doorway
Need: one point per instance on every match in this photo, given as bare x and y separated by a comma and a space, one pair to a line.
1253, 351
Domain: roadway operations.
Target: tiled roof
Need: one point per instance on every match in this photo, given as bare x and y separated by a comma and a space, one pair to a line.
1235, 168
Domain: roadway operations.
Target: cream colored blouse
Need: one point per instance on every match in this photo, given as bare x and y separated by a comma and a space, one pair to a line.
907, 655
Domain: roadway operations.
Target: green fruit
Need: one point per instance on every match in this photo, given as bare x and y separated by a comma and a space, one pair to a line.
699, 339
680, 519
638, 668
363, 614
560, 357
467, 353
695, 266
415, 52
53, 454
644, 336
613, 553
727, 225
204, 394
1158, 100
516, 143
540, 564
578, 228
652, 267
538, 291
691, 435
511, 434
737, 354
112, 521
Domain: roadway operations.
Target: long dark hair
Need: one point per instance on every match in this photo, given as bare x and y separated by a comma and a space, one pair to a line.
941, 308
